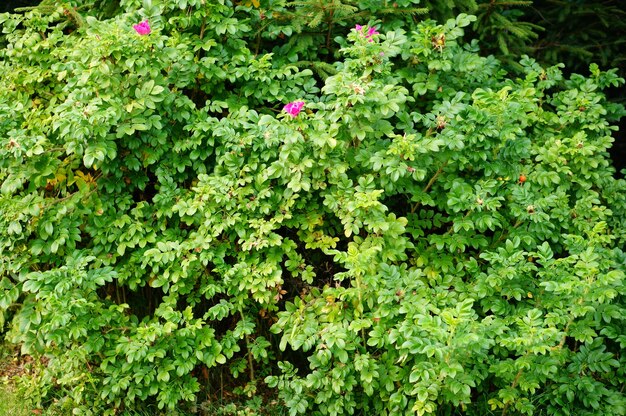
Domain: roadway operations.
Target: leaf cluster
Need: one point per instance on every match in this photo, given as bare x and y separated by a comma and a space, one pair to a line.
431, 234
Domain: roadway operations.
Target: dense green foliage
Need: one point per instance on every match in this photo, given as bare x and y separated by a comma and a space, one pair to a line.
429, 235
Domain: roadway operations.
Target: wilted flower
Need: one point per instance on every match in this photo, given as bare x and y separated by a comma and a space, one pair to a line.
358, 89
294, 108
142, 28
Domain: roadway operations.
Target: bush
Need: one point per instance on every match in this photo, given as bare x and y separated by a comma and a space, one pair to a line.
417, 232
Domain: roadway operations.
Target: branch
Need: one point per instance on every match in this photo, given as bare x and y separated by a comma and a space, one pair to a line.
429, 185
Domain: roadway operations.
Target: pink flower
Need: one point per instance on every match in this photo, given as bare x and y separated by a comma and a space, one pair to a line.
142, 28
371, 31
294, 108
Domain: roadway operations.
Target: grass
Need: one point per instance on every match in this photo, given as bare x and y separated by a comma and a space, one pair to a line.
10, 403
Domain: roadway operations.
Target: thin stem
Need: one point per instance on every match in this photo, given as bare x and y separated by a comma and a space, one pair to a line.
504, 234
513, 385
562, 342
357, 280
330, 28
250, 361
452, 226
201, 36
202, 28
65, 198
429, 185
118, 298
221, 383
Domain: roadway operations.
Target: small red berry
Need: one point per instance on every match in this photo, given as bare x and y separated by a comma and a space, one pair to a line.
522, 178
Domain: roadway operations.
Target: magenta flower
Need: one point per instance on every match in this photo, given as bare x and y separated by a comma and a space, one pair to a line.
371, 31
142, 28
294, 108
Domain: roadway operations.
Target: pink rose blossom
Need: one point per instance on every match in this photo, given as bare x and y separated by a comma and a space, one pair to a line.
294, 108
371, 31
142, 28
